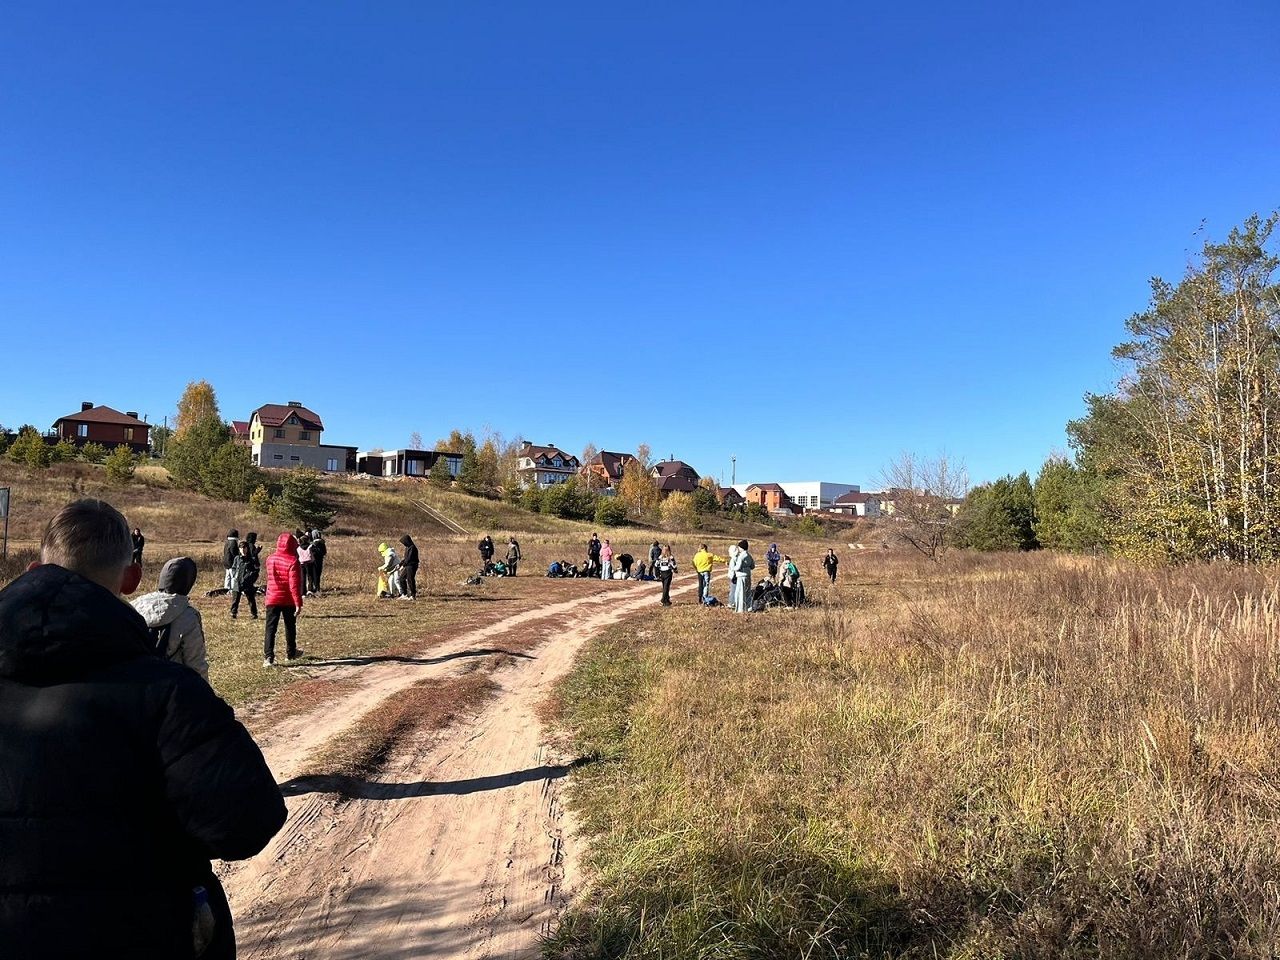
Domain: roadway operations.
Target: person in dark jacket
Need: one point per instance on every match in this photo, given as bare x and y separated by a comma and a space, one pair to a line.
319, 550
254, 547
409, 569
594, 547
139, 541
655, 551
245, 574
123, 774
486, 550
230, 550
513, 556
831, 563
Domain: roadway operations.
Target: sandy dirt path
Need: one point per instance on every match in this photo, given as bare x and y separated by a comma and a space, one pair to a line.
458, 847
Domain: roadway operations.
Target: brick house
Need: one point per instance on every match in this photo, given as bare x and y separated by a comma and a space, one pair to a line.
605, 469
104, 426
771, 496
287, 436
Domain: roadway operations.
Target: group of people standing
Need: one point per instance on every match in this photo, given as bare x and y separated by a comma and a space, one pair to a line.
398, 576
501, 568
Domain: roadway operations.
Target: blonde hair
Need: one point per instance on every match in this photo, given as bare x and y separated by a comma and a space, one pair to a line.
90, 537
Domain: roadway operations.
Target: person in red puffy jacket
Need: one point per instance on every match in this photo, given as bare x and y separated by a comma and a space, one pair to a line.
284, 599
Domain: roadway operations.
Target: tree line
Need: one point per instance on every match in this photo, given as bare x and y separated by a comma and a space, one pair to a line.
1178, 462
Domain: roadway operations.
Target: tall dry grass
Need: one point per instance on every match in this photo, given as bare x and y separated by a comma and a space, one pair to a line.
1031, 756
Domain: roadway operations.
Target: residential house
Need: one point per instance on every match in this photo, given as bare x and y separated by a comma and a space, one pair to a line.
816, 494
730, 497
240, 433
771, 496
405, 463
545, 466
674, 476
857, 505
604, 470
104, 426
287, 436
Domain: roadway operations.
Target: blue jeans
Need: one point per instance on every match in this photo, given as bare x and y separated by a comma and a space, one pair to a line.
704, 585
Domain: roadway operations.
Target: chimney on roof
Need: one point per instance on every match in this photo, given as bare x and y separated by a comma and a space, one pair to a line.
86, 405
526, 444
131, 413
294, 403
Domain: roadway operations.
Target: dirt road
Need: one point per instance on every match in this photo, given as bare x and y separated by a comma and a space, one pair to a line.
458, 847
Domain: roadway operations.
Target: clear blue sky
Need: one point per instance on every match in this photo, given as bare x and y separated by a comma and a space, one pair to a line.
812, 239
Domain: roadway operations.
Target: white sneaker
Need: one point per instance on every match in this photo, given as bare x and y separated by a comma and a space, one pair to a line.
268, 663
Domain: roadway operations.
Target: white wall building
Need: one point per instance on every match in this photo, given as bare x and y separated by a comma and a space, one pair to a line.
816, 494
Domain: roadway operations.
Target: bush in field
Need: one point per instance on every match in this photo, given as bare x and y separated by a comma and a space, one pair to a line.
678, 512
704, 501
810, 527
531, 499
757, 513
301, 503
192, 449
570, 500
261, 501
610, 512
440, 475
120, 464
230, 474
93, 452
64, 451
998, 516
30, 449
4, 439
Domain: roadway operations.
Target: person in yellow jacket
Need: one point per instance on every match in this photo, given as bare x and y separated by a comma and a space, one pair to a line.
703, 561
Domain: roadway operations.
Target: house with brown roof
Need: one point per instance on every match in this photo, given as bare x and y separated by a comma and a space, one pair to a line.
240, 432
545, 466
674, 476
730, 497
287, 436
105, 426
605, 469
771, 496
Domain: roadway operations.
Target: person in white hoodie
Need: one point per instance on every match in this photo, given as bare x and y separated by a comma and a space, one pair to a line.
733, 576
170, 615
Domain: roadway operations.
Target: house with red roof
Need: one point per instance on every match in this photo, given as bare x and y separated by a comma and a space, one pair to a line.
857, 504
772, 497
105, 426
287, 436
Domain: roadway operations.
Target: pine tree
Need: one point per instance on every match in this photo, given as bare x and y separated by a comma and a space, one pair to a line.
301, 502
440, 475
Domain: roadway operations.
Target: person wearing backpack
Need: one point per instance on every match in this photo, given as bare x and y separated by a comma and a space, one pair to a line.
284, 599
740, 568
173, 624
665, 570
244, 578
790, 581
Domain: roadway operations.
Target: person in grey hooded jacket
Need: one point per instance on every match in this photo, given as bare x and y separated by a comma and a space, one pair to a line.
170, 606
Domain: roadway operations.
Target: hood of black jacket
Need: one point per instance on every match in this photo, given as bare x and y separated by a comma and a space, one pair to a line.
57, 626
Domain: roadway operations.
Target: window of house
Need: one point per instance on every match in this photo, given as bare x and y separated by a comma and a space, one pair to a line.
255, 459
331, 465
295, 459
279, 434
128, 434
278, 456
304, 434
82, 430
558, 462
293, 421
414, 467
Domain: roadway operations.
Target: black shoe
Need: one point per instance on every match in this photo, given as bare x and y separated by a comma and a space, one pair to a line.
296, 655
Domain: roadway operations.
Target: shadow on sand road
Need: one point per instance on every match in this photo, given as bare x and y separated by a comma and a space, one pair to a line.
424, 661
352, 788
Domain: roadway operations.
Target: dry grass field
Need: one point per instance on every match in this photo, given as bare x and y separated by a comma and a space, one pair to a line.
1001, 756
